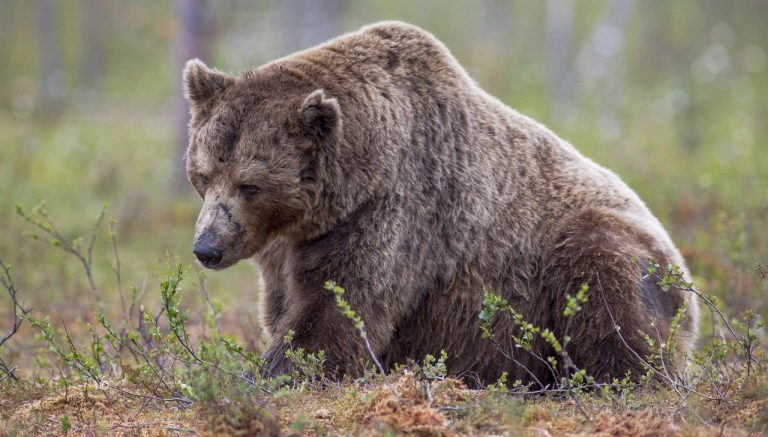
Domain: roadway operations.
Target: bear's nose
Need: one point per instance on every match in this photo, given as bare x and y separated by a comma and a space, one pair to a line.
208, 255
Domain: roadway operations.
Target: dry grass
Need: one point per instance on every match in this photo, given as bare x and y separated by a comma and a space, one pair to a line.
371, 408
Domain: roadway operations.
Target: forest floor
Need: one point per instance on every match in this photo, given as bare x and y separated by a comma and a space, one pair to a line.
372, 408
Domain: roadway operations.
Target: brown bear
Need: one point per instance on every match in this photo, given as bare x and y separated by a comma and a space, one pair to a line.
375, 161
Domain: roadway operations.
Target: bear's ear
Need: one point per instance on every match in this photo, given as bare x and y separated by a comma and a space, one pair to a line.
201, 83
320, 115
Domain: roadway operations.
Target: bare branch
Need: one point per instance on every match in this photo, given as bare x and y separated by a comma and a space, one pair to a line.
18, 312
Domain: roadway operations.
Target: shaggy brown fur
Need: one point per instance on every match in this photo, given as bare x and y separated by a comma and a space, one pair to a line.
375, 161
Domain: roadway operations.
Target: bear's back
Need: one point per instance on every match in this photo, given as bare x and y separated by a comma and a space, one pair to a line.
408, 98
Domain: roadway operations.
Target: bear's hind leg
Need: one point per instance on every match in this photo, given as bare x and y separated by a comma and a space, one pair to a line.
608, 335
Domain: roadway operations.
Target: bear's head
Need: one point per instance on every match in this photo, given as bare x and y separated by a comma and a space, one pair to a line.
254, 146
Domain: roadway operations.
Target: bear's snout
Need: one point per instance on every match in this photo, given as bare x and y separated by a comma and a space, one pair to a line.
206, 252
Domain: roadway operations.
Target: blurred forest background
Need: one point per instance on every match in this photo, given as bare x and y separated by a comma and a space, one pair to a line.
672, 95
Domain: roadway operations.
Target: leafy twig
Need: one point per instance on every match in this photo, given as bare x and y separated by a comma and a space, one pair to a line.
56, 239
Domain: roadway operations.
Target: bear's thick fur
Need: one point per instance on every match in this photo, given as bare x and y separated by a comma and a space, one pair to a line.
373, 160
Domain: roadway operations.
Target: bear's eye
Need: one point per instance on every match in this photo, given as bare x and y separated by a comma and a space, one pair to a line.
249, 190
204, 179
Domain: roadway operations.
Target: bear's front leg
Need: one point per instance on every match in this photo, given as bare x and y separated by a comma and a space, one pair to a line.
368, 265
316, 325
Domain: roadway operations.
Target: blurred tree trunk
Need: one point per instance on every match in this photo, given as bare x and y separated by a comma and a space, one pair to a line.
93, 38
496, 20
560, 57
491, 26
601, 64
52, 80
193, 41
309, 22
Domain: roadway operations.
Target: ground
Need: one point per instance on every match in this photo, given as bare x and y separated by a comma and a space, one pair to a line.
372, 408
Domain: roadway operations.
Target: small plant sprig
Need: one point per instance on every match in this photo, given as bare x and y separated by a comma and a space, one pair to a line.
762, 270
574, 303
435, 369
431, 370
307, 367
19, 313
347, 310
575, 381
50, 234
171, 301
745, 342
500, 386
748, 340
206, 355
493, 304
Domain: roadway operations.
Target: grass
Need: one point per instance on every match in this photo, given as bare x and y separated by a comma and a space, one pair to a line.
183, 343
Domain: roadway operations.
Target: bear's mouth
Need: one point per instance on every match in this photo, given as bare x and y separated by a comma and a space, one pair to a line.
217, 261
221, 265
